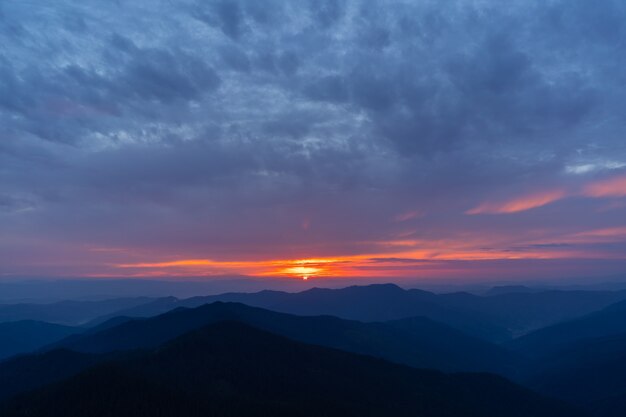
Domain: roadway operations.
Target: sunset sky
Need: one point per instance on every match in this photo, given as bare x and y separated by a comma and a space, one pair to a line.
395, 140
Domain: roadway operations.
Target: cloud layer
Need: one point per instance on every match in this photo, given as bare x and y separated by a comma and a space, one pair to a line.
157, 131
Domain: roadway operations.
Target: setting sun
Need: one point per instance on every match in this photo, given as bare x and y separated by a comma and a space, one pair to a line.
302, 271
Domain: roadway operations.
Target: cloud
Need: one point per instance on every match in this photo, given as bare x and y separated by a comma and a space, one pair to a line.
593, 167
612, 234
527, 202
611, 187
407, 215
215, 127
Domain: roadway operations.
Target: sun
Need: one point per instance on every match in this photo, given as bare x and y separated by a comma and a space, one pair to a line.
301, 271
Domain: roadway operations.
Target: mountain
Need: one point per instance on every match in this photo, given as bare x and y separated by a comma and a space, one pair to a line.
152, 308
495, 318
445, 348
589, 372
552, 339
380, 302
231, 369
27, 372
28, 335
521, 313
67, 312
582, 361
511, 289
419, 342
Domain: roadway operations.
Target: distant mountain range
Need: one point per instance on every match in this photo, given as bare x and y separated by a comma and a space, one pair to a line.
67, 312
419, 342
28, 335
495, 318
505, 313
232, 369
579, 356
582, 361
509, 289
549, 340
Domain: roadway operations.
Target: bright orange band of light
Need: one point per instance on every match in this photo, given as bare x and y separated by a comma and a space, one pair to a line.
412, 255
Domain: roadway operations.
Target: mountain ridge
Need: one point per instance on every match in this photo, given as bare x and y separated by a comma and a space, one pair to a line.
230, 368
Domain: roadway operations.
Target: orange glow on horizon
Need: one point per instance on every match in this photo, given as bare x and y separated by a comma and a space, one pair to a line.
405, 260
183, 263
303, 271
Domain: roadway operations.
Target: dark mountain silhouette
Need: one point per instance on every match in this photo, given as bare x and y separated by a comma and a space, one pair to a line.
496, 318
28, 335
552, 339
589, 372
231, 369
582, 361
68, 312
24, 373
419, 342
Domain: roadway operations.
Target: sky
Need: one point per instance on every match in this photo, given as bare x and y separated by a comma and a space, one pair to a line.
432, 139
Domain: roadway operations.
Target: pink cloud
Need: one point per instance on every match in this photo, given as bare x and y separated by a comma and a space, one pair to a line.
402, 217
526, 202
612, 187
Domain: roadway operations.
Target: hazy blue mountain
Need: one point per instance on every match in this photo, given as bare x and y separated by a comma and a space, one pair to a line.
231, 369
511, 289
589, 372
28, 335
67, 312
496, 318
38, 290
524, 312
381, 302
152, 308
582, 361
552, 339
419, 342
